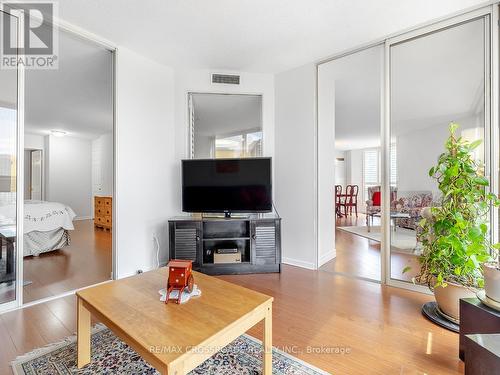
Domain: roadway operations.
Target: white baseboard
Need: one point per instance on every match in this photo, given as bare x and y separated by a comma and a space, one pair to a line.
298, 263
77, 218
325, 258
152, 267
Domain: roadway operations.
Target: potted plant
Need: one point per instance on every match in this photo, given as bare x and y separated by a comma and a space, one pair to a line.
454, 234
491, 272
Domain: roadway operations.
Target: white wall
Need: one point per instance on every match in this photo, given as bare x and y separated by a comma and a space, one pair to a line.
27, 174
68, 173
295, 163
340, 168
199, 80
354, 167
102, 165
326, 165
418, 151
34, 141
146, 169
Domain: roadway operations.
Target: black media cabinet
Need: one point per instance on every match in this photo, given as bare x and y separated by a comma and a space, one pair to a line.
257, 237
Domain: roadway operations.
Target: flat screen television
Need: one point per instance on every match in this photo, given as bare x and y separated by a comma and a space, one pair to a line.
227, 185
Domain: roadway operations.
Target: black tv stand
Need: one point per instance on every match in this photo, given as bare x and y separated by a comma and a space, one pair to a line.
256, 237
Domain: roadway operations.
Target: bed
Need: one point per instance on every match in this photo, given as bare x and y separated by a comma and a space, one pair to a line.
46, 225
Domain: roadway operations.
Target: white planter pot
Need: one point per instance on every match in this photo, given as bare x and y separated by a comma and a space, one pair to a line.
492, 281
448, 299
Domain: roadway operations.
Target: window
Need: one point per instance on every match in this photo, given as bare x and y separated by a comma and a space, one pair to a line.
394, 169
239, 146
372, 168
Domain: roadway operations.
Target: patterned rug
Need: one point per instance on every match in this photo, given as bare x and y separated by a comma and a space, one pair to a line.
111, 356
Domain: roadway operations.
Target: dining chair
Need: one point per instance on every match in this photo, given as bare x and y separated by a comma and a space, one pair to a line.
351, 199
338, 200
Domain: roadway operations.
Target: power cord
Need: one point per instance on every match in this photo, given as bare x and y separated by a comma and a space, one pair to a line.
277, 213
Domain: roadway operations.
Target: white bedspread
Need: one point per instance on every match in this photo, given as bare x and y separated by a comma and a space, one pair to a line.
40, 216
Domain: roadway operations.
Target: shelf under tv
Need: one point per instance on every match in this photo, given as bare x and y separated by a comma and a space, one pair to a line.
225, 238
223, 264
257, 238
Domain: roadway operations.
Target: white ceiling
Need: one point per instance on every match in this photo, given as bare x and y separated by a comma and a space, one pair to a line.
76, 97
219, 114
357, 98
435, 79
248, 35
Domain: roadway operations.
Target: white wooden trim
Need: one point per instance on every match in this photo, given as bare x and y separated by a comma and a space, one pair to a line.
298, 263
325, 258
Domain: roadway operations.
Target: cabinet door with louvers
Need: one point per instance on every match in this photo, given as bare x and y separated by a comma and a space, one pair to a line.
265, 242
185, 240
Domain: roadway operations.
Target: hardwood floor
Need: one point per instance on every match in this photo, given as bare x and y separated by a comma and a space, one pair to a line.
87, 261
381, 327
360, 257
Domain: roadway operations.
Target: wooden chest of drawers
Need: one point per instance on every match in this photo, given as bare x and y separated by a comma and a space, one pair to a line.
103, 212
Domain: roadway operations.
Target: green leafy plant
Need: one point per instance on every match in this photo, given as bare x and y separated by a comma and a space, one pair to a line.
455, 238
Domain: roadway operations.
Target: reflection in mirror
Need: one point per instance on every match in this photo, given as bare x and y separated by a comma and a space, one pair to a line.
226, 126
68, 171
435, 79
8, 181
349, 99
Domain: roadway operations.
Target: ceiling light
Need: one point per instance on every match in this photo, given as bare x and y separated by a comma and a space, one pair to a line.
58, 133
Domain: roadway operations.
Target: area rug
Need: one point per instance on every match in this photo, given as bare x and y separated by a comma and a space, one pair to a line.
402, 240
110, 355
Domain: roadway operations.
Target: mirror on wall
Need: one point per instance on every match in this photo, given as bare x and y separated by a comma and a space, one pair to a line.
225, 125
435, 79
349, 101
8, 179
68, 169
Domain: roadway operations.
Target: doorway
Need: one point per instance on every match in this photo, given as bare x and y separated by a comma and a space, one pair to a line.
33, 175
57, 149
69, 171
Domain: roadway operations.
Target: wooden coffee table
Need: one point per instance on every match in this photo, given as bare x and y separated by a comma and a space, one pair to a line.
173, 338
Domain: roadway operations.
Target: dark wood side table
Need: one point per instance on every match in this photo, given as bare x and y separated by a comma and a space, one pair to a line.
482, 354
8, 234
476, 318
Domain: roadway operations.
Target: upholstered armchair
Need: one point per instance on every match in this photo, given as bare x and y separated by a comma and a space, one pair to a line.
375, 198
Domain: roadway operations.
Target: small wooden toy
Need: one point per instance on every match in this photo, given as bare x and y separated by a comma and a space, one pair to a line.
179, 277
